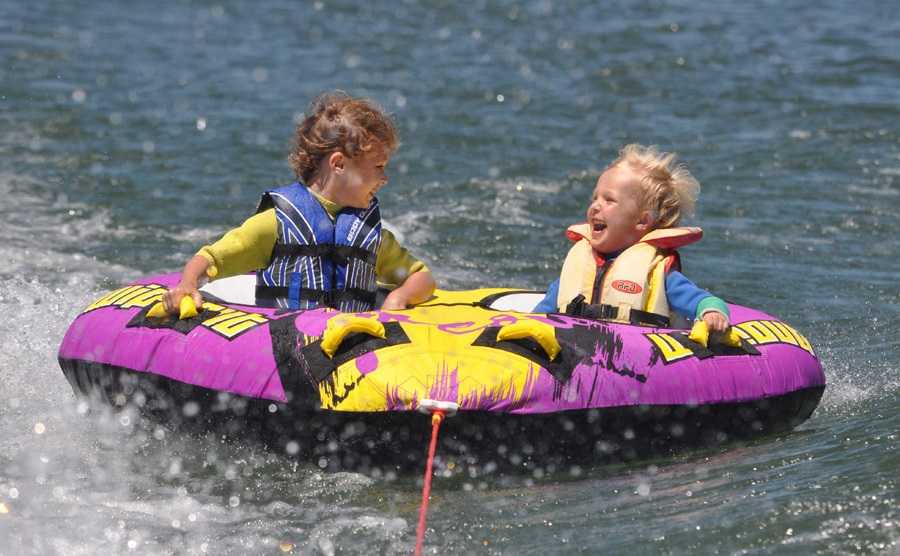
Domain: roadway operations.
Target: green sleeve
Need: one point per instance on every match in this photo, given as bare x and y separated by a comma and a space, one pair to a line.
712, 303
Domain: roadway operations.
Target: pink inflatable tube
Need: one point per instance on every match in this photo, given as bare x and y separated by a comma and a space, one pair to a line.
610, 383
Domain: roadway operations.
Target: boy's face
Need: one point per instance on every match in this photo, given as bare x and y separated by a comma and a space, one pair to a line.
361, 178
617, 220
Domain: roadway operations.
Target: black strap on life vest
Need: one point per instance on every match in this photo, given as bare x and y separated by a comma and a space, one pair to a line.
601, 311
330, 298
598, 281
340, 254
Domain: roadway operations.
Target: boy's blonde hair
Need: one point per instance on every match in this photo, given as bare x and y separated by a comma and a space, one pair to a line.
669, 190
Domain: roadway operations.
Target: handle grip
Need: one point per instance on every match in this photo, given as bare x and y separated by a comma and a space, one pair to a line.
540, 332
341, 326
700, 334
186, 309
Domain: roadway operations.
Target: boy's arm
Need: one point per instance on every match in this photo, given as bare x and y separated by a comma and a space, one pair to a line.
548, 304
692, 302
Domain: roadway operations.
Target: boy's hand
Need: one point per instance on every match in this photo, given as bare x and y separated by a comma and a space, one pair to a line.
716, 321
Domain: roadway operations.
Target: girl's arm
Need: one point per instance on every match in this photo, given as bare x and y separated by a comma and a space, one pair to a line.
194, 270
417, 287
239, 251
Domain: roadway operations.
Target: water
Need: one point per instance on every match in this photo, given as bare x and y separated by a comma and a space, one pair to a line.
130, 135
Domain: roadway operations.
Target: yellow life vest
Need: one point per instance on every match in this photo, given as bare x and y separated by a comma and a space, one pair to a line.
633, 281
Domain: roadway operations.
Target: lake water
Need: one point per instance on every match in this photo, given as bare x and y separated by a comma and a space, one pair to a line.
133, 133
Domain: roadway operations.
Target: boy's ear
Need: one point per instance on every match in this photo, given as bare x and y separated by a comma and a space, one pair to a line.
646, 221
336, 161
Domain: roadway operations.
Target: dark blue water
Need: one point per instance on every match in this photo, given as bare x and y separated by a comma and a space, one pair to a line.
132, 134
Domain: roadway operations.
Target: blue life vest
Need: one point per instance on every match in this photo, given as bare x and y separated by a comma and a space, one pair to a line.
317, 260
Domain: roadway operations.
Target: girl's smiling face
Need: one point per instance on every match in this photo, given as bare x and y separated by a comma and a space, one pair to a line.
615, 214
353, 182
362, 177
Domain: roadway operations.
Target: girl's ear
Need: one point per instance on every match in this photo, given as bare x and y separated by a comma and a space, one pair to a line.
336, 162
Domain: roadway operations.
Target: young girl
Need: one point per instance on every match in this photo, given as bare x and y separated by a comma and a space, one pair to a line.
319, 241
623, 265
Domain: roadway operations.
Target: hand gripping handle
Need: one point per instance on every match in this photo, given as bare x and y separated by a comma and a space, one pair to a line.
700, 334
186, 309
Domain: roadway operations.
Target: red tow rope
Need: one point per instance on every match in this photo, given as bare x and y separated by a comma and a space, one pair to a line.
436, 418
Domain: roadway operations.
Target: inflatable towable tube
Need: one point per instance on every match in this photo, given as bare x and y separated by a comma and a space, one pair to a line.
479, 351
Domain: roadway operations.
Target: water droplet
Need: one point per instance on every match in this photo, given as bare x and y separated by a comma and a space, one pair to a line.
39, 428
191, 409
352, 61
234, 501
79, 95
201, 124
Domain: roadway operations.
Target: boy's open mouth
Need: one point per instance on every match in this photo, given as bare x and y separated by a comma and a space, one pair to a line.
599, 226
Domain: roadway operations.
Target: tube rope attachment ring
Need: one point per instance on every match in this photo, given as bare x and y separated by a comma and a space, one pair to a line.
438, 411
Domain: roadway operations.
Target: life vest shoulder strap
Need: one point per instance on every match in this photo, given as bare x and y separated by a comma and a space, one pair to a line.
672, 238
577, 232
663, 238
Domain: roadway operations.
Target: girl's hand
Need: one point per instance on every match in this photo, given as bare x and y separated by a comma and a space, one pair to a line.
417, 287
172, 298
193, 272
394, 301
716, 321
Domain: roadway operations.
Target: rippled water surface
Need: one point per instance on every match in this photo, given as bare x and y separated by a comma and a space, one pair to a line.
132, 133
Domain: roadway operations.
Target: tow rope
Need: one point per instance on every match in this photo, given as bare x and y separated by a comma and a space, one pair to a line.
438, 411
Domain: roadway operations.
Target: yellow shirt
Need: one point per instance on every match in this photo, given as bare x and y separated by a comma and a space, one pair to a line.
249, 247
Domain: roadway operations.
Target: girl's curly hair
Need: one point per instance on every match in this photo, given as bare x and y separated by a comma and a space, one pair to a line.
337, 122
